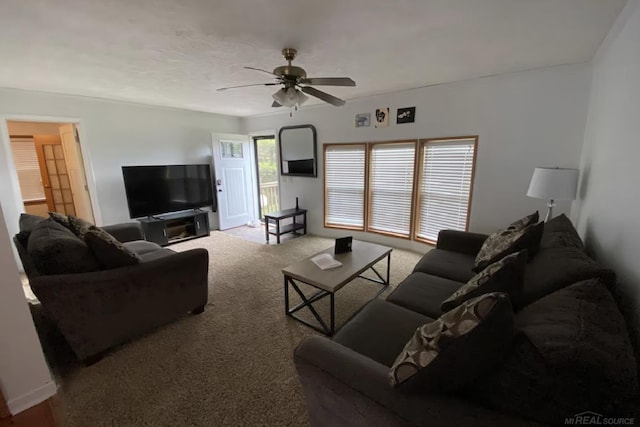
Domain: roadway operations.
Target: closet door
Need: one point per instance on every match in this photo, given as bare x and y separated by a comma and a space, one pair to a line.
55, 176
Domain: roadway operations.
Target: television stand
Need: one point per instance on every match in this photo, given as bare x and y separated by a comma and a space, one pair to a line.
177, 227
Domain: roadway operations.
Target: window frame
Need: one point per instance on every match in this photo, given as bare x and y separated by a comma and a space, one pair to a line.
420, 144
421, 147
368, 210
324, 186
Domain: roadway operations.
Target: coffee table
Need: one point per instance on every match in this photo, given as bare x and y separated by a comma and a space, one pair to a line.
363, 257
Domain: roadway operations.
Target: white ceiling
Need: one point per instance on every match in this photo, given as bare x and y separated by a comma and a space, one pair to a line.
176, 53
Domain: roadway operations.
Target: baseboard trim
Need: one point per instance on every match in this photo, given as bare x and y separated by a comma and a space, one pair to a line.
32, 398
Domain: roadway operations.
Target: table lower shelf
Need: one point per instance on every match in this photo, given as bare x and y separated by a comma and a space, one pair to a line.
288, 228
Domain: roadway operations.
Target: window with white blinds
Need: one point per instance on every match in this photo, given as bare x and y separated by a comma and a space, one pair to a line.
391, 187
344, 176
444, 186
28, 168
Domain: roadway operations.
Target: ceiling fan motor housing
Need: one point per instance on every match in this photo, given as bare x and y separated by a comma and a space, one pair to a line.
290, 72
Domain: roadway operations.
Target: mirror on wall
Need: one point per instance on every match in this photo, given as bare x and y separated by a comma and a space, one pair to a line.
298, 150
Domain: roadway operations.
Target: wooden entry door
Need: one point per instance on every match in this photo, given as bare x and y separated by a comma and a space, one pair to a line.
55, 177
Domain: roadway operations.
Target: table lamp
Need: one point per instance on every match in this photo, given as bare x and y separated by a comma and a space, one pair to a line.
553, 184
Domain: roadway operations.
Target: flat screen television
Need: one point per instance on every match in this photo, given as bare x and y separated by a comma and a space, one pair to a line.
153, 190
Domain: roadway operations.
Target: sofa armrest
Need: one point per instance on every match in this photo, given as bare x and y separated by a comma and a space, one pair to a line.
345, 387
99, 309
125, 232
460, 241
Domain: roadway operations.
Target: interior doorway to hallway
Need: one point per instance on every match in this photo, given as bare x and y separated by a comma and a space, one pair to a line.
48, 161
267, 174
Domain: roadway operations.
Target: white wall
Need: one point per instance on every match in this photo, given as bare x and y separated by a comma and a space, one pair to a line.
608, 209
24, 377
524, 120
114, 134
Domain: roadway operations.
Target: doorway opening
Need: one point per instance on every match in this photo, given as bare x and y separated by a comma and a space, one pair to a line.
267, 174
48, 161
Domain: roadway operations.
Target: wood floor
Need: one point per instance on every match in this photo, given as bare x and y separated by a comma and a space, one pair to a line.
37, 416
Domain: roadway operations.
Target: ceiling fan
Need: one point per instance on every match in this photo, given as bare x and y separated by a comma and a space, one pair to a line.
296, 84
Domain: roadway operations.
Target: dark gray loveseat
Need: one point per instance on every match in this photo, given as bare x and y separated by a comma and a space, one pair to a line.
571, 352
96, 310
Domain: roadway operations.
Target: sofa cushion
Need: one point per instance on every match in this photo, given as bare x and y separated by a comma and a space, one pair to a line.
141, 247
153, 255
380, 330
573, 354
504, 242
454, 349
109, 252
448, 264
556, 268
54, 249
523, 223
505, 275
560, 232
423, 293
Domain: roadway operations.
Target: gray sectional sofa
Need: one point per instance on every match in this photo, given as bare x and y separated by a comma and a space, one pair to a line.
571, 351
95, 307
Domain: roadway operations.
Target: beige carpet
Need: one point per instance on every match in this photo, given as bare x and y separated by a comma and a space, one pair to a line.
231, 365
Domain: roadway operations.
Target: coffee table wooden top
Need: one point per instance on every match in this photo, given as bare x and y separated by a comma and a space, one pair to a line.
363, 256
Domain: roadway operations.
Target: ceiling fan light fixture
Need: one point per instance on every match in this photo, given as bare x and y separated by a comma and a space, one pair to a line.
289, 97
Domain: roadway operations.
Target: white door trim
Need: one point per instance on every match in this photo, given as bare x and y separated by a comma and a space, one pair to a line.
86, 157
254, 168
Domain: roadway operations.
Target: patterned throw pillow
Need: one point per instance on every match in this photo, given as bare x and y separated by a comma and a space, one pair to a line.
79, 226
109, 251
523, 223
456, 348
502, 243
60, 219
505, 275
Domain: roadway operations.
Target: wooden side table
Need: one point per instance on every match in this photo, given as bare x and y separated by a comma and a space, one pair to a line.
275, 218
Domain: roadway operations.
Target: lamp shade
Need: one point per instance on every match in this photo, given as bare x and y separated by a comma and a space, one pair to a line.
289, 97
554, 183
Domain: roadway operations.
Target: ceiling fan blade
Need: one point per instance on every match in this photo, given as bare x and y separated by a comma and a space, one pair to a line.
258, 69
275, 104
329, 81
254, 84
322, 95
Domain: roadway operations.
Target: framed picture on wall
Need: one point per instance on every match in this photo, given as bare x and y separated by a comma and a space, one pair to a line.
363, 120
406, 115
382, 117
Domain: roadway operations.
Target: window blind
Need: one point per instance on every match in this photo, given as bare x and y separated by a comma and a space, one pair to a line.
444, 188
391, 187
344, 185
28, 168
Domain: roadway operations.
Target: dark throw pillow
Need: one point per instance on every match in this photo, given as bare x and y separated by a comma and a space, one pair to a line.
26, 223
523, 223
454, 349
572, 353
560, 232
54, 249
504, 242
505, 275
109, 251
